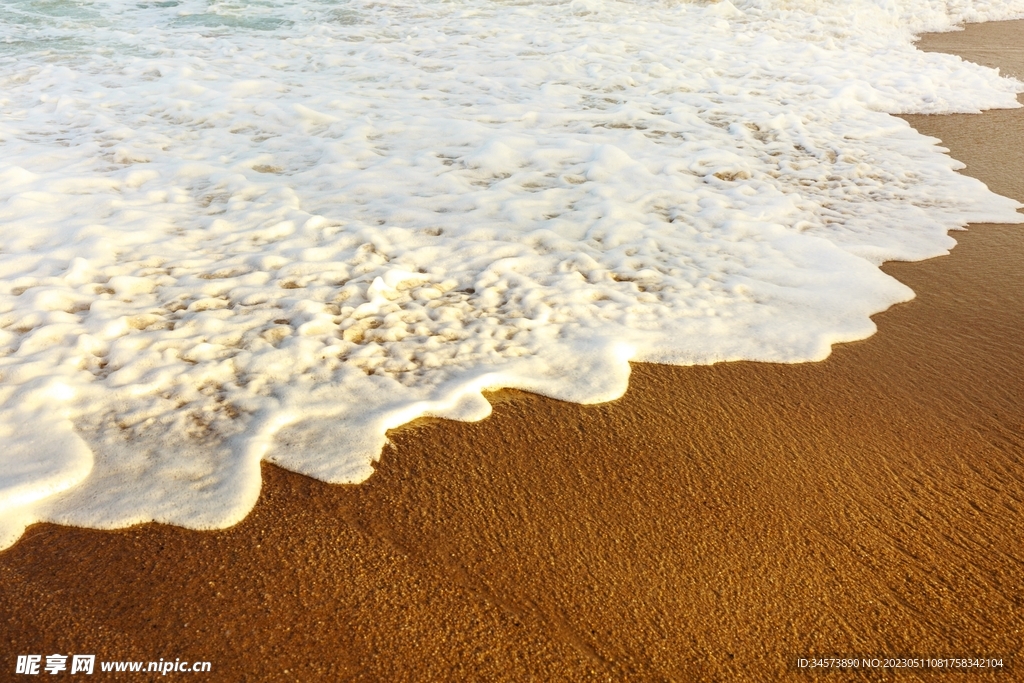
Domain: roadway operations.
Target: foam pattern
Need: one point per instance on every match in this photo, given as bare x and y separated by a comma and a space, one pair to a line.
239, 231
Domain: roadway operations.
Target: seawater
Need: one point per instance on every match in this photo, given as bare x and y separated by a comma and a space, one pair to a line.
242, 231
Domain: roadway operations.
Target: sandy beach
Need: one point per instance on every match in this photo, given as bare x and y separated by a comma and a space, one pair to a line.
714, 524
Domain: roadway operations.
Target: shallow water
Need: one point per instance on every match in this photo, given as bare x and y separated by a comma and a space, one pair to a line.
245, 231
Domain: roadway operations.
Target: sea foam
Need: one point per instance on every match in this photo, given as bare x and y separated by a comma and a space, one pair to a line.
245, 231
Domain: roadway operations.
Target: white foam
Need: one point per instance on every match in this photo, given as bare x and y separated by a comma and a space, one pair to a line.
244, 231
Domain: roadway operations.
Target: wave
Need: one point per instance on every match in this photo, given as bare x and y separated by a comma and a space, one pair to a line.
246, 231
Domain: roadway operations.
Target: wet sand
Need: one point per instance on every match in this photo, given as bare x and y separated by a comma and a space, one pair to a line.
712, 525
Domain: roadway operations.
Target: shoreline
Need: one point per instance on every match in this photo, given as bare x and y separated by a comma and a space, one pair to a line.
714, 523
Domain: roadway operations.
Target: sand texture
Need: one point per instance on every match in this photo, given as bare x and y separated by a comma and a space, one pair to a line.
712, 525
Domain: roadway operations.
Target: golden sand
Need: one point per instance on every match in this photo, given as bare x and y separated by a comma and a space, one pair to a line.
712, 525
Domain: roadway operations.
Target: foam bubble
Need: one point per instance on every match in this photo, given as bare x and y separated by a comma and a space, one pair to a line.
240, 231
